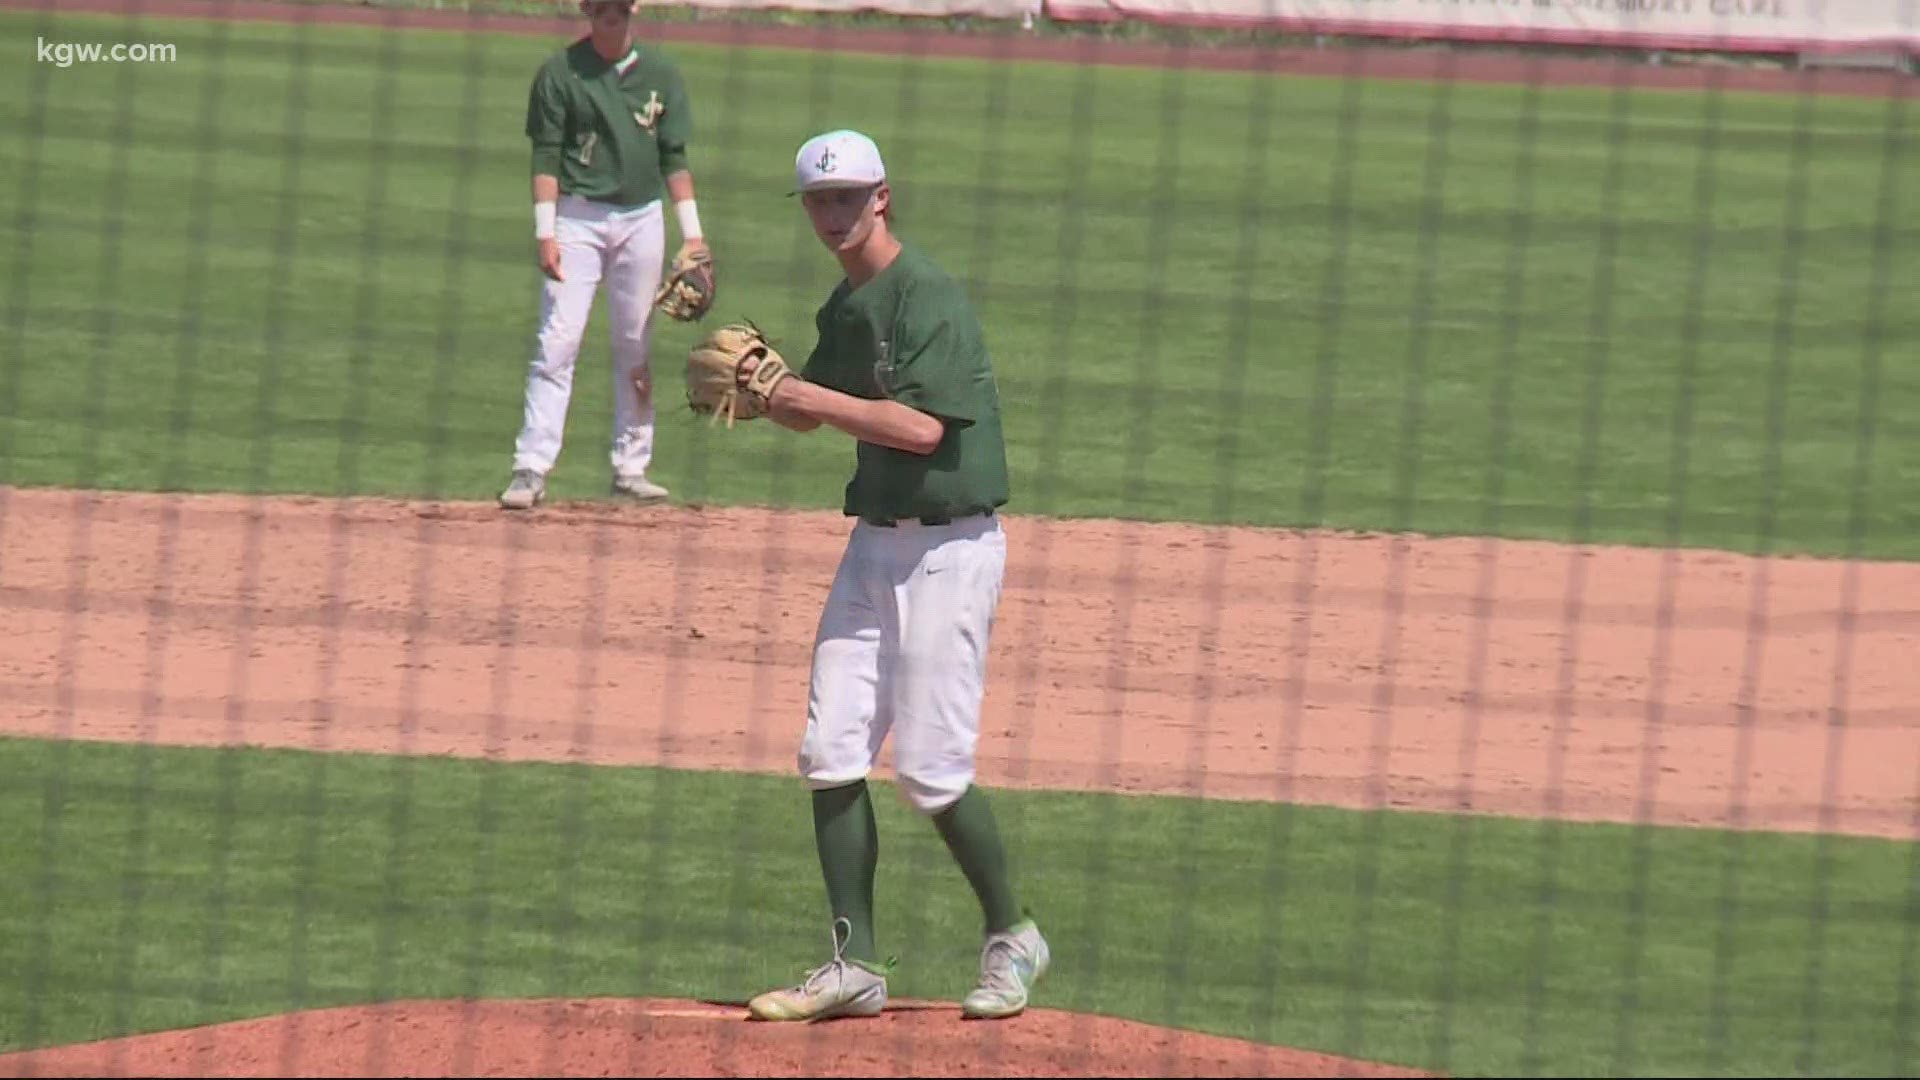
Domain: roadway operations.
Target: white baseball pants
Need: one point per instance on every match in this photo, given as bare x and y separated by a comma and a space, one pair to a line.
902, 648
623, 248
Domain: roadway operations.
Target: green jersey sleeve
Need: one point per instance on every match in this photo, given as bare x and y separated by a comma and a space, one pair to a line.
936, 362
676, 126
546, 123
820, 360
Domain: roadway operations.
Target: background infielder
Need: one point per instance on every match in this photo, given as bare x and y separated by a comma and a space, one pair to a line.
609, 122
901, 365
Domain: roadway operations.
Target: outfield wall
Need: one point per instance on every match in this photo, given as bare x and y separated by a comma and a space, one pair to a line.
1752, 26
993, 9
1774, 26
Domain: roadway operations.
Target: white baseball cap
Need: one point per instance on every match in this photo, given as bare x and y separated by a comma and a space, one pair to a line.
837, 159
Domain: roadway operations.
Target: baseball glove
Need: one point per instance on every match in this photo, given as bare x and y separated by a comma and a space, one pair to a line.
688, 290
713, 374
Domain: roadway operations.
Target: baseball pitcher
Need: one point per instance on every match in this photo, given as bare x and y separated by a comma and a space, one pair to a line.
901, 365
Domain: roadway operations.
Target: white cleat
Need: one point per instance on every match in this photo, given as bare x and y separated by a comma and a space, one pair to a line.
1010, 963
525, 492
639, 489
837, 989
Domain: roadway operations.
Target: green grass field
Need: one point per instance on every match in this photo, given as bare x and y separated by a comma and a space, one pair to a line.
300, 262
160, 887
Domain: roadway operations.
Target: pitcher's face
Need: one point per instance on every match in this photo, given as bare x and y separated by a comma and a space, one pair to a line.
608, 16
844, 218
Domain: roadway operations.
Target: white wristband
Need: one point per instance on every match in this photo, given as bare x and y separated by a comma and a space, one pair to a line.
689, 219
543, 217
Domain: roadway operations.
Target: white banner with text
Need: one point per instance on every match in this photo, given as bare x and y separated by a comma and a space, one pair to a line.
1729, 25
988, 9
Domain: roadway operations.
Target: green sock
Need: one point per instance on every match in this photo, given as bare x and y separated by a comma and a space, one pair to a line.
969, 830
849, 843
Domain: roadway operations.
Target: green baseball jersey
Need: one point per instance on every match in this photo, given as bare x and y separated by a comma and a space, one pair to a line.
609, 131
910, 334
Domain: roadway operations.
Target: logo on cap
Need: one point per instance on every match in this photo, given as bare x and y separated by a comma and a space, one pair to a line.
826, 162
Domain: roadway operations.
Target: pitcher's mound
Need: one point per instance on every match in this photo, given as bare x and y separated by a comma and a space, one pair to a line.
672, 1038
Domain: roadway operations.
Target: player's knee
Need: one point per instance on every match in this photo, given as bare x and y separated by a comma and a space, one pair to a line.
560, 335
931, 791
631, 361
822, 770
558, 341
553, 361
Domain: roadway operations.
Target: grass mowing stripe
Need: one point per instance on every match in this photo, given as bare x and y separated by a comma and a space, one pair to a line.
289, 240
576, 840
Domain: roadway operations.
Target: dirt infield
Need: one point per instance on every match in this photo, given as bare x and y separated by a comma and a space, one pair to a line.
1422, 64
1249, 664
674, 1038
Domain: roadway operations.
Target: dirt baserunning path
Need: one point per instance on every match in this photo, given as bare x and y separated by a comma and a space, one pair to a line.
1515, 678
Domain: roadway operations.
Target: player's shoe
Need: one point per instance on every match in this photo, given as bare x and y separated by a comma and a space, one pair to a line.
1010, 963
525, 492
837, 989
639, 489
